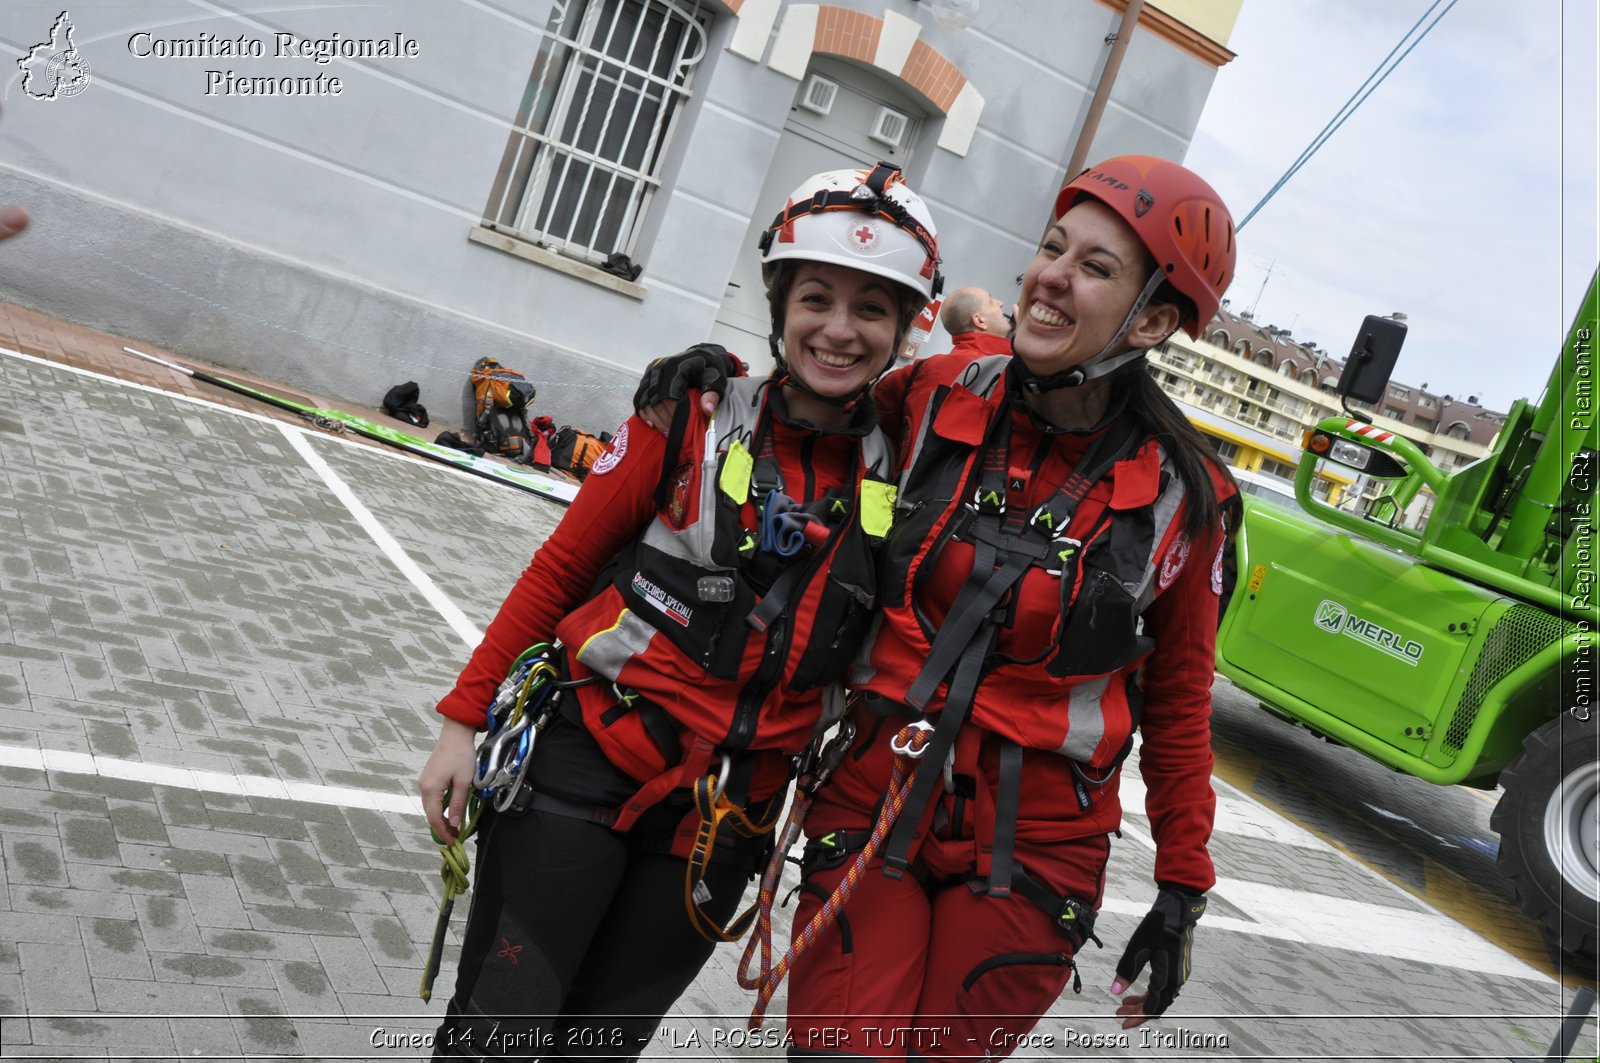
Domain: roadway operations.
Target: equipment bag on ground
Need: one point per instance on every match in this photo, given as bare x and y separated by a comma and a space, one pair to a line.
501, 398
572, 450
401, 401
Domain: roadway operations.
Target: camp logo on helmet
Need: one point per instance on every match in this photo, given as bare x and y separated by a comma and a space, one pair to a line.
1117, 185
1142, 203
865, 237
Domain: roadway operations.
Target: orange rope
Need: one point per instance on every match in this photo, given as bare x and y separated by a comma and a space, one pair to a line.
913, 740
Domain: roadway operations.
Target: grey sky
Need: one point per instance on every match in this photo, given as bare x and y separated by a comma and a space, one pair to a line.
1462, 192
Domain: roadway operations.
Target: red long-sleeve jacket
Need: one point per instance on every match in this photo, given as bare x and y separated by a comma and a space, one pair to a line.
1019, 701
561, 592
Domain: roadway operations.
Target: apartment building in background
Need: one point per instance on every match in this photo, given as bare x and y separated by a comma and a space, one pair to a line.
1254, 390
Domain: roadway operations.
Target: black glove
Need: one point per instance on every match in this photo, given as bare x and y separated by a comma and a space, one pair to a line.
1163, 940
705, 366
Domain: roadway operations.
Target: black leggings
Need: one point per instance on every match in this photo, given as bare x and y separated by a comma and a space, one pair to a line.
577, 942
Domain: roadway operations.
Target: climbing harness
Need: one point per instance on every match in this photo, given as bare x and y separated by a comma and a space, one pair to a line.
522, 705
716, 810
909, 745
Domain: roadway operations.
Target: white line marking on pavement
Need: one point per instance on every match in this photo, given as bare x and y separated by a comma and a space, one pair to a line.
464, 628
216, 782
1319, 919
1238, 816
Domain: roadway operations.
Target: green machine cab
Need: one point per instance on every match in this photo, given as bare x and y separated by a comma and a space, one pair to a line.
1463, 651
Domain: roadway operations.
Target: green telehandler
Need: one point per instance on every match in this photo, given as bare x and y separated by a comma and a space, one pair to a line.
1462, 652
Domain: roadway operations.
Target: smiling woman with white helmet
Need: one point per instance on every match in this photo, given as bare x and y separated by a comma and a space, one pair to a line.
707, 590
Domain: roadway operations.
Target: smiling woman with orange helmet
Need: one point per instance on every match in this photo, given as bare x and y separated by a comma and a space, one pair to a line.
1050, 587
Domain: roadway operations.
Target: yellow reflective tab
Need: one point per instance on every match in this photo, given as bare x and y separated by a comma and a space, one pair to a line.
877, 507
737, 469
839, 507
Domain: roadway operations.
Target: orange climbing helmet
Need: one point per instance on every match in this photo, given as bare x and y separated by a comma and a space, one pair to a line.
1178, 217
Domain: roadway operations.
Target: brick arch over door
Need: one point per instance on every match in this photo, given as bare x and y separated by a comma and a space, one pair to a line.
890, 44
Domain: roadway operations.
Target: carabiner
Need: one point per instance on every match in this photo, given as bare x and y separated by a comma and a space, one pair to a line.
912, 739
722, 779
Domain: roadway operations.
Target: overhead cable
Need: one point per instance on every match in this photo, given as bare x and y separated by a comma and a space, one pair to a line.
1356, 99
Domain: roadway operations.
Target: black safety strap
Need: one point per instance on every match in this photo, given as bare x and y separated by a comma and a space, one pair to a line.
970, 628
963, 684
1005, 818
669, 456
662, 728
1073, 917
543, 802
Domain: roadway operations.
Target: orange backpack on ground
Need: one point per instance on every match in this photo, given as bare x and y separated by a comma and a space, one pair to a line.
573, 450
501, 398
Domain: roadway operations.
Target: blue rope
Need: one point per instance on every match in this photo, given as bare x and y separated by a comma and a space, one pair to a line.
1351, 105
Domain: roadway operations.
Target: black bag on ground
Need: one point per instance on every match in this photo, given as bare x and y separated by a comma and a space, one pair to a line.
401, 402
455, 442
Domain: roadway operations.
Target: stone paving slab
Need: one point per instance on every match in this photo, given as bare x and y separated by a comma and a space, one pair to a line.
194, 630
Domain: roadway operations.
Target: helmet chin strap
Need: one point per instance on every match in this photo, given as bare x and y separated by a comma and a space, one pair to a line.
1111, 357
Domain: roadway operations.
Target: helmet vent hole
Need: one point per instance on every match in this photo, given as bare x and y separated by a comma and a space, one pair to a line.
1208, 223
1177, 224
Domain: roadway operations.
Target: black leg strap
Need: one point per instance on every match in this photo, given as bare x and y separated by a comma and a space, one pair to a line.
1005, 818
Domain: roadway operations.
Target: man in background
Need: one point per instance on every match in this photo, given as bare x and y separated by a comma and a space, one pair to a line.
977, 322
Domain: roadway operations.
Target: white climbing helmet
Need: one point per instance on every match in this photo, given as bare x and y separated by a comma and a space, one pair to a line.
864, 219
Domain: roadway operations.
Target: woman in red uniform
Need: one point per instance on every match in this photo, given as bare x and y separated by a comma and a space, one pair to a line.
1050, 587
707, 589
1053, 589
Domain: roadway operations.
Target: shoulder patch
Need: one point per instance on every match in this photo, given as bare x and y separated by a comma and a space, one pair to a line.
613, 453
1172, 564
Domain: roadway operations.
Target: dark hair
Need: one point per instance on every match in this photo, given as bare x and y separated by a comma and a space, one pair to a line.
1191, 452
779, 278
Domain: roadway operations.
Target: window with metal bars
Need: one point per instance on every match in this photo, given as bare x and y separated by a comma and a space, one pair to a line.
584, 160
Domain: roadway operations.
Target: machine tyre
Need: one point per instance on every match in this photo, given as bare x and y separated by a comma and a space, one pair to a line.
1548, 822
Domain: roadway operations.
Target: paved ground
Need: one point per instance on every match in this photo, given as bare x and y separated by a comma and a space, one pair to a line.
221, 635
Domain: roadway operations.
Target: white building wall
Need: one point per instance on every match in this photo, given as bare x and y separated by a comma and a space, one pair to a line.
324, 240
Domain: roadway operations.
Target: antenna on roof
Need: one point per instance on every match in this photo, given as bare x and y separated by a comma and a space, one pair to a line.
1263, 288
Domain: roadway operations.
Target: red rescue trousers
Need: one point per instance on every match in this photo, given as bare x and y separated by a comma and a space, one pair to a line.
926, 967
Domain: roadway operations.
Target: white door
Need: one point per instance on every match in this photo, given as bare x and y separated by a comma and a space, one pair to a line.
810, 143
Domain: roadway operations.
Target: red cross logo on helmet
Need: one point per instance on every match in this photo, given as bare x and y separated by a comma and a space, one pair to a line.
866, 236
